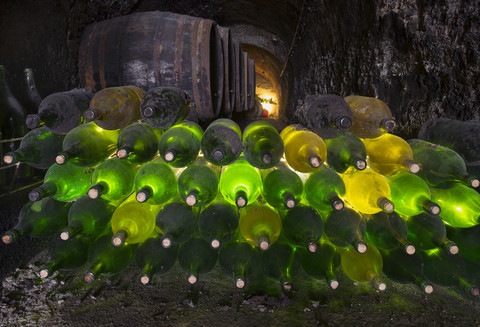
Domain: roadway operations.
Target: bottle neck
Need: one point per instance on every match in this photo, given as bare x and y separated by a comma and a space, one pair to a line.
263, 242
124, 152
91, 115
48, 269
359, 245
331, 279
47, 189
408, 247
192, 276
448, 246
425, 286
385, 204
14, 157
73, 228
14, 234
144, 194
343, 122
468, 287
241, 199
170, 155
192, 197
411, 165
336, 203
377, 282
94, 271
289, 200
119, 238
147, 273
431, 207
358, 162
98, 189
63, 157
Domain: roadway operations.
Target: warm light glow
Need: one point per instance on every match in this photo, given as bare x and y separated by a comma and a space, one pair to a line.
269, 102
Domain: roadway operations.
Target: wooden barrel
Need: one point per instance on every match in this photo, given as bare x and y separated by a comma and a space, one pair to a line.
239, 93
229, 71
150, 49
251, 84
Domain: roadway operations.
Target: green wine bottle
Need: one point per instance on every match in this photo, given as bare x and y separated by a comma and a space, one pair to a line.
411, 194
154, 181
460, 205
260, 224
346, 228
196, 257
63, 183
38, 149
198, 184
240, 183
154, 259
322, 263
363, 267
345, 150
222, 142
467, 241
164, 106
428, 232
113, 179
388, 231
177, 223
133, 222
282, 187
238, 259
138, 143
106, 259
87, 145
88, 217
42, 218
303, 227
180, 144
218, 222
115, 107
66, 255
262, 144
440, 165
323, 189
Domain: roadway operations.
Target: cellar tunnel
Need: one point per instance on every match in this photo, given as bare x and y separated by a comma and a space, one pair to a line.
421, 57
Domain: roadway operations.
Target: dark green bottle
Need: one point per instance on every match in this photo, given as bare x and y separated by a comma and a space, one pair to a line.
323, 189
344, 151
32, 91
88, 217
42, 218
38, 148
180, 144
322, 263
218, 222
238, 259
345, 228
64, 183
303, 227
196, 257
177, 223
106, 259
138, 143
282, 187
66, 255
155, 182
467, 240
154, 259
198, 184
388, 231
262, 144
428, 232
222, 142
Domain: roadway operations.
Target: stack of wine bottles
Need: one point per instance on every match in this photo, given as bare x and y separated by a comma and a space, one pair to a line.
139, 183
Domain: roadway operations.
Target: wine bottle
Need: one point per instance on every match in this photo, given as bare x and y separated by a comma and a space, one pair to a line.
440, 165
115, 107
164, 106
38, 149
32, 91
240, 183
133, 222
218, 222
177, 223
345, 150
154, 259
467, 241
363, 267
403, 268
460, 205
389, 153
180, 144
411, 194
113, 180
259, 224
388, 231
303, 227
88, 217
346, 228
198, 184
304, 150
262, 144
63, 182
221, 143
239, 259
371, 117
65, 255
428, 232
138, 143
323, 189
196, 257
62, 111
87, 145
282, 187
106, 259
322, 263
154, 181
367, 191
42, 218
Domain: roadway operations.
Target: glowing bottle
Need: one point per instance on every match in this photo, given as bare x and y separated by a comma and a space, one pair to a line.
155, 182
323, 190
198, 184
345, 150
282, 187
138, 143
222, 142
179, 145
262, 144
